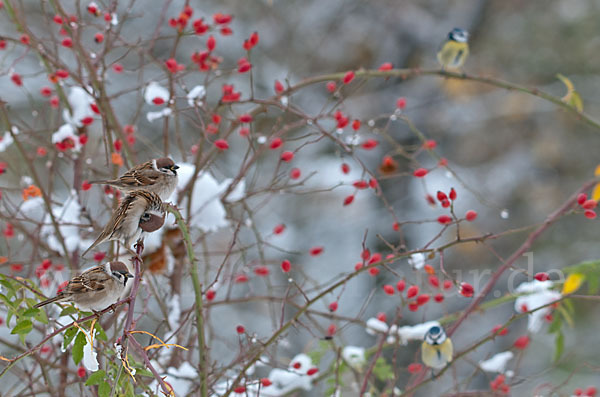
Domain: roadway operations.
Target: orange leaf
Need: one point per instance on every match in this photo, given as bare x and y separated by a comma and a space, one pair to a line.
31, 191
3, 259
117, 159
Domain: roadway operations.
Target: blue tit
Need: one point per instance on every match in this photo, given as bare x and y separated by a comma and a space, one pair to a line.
455, 49
436, 350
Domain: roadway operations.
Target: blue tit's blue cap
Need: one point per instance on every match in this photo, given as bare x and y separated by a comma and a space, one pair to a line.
458, 34
435, 330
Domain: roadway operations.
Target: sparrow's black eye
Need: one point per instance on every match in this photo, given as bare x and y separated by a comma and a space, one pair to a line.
117, 275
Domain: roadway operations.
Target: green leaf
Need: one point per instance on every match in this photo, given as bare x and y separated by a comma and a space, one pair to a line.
8, 285
104, 389
95, 378
23, 327
556, 325
69, 335
382, 370
67, 311
77, 350
593, 284
144, 372
42, 317
566, 315
30, 312
7, 301
559, 345
100, 334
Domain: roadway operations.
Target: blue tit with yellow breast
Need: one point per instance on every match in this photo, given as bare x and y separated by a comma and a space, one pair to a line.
455, 49
436, 350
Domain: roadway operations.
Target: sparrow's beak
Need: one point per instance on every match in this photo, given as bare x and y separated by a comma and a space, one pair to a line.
174, 167
128, 275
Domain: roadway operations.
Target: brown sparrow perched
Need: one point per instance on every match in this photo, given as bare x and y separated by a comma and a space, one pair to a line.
95, 289
157, 176
140, 212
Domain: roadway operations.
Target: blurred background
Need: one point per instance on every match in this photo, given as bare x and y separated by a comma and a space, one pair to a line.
517, 157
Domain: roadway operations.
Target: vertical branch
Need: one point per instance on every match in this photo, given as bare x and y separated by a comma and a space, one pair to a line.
198, 292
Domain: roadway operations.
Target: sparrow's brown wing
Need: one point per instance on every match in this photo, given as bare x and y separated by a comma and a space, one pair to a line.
91, 281
112, 228
138, 178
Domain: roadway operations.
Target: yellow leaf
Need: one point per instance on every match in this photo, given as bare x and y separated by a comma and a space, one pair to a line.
572, 283
596, 192
572, 97
597, 170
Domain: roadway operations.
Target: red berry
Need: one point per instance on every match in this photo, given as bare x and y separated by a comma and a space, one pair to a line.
287, 156
348, 200
374, 271
266, 382
211, 43
401, 103
590, 214
422, 299
471, 215
221, 144
356, 125
240, 389
452, 194
434, 281
244, 118
57, 19
67, 42
85, 185
370, 144
382, 317
210, 294
261, 271
581, 197
240, 329
314, 251
81, 372
98, 256
420, 172
466, 289
286, 266
345, 168
275, 143
542, 276
499, 330
331, 330
591, 391
24, 39
441, 196
400, 285
331, 86
413, 306
438, 298
295, 173
333, 306
415, 368
522, 342
348, 77
412, 291
360, 184
388, 289
589, 204
279, 88
98, 37
386, 66
240, 278
430, 144
444, 219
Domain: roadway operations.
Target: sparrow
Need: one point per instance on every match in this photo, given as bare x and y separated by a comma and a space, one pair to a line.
140, 212
157, 176
95, 289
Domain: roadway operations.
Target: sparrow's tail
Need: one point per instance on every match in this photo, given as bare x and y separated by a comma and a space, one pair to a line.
48, 301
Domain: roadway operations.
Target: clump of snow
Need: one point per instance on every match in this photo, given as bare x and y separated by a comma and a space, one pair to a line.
80, 102
354, 356
415, 332
151, 116
68, 217
539, 294
90, 362
66, 131
195, 95
497, 363
6, 141
207, 210
155, 90
417, 260
375, 326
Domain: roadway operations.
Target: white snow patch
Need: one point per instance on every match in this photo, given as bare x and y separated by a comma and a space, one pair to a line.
417, 260
195, 95
539, 294
415, 332
67, 216
155, 90
6, 141
90, 362
354, 356
497, 363
207, 210
375, 326
151, 116
66, 131
80, 102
